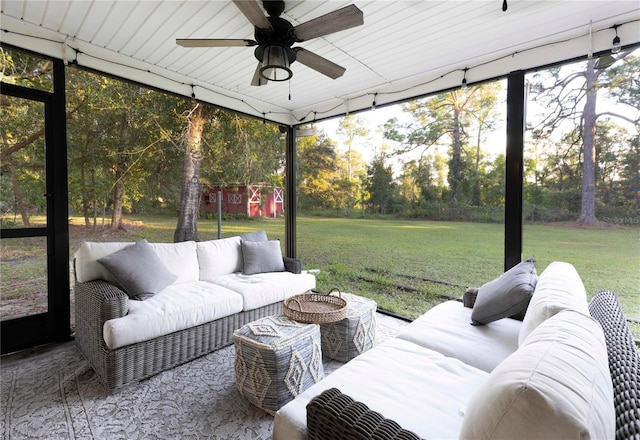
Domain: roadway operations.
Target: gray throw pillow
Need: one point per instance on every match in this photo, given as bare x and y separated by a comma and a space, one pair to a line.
139, 270
254, 236
261, 256
507, 295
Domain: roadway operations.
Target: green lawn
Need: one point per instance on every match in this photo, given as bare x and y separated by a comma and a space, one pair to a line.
406, 266
388, 259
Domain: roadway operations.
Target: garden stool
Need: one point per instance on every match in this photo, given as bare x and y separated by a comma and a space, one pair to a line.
343, 340
276, 359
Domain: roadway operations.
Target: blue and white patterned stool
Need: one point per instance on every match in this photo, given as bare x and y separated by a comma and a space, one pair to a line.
355, 334
276, 359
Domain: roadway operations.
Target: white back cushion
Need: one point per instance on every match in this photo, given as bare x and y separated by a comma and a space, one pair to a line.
180, 258
219, 257
557, 385
86, 260
558, 288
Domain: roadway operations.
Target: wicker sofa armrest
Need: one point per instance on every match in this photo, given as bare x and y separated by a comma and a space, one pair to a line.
96, 302
292, 265
333, 415
100, 301
469, 297
624, 363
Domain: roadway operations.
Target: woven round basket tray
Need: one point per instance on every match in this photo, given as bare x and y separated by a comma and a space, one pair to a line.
316, 308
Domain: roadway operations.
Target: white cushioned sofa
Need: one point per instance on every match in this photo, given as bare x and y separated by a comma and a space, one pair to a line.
545, 377
145, 307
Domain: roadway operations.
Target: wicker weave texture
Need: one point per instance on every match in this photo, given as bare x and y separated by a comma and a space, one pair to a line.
98, 301
276, 359
624, 363
336, 416
353, 335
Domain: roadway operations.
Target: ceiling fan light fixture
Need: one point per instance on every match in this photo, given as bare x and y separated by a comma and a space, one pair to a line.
276, 63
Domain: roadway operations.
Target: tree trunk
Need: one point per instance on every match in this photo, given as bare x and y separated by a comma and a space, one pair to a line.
456, 160
476, 197
588, 205
121, 169
118, 196
17, 193
187, 228
83, 191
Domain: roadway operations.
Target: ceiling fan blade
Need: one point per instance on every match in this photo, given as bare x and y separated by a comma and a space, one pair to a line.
338, 20
316, 62
213, 42
258, 80
251, 9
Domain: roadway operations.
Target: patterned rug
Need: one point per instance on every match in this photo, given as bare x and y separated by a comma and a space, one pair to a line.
56, 395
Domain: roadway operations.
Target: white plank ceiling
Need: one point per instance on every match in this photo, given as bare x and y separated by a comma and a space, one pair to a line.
404, 49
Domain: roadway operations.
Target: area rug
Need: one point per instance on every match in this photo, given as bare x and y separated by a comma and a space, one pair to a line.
56, 395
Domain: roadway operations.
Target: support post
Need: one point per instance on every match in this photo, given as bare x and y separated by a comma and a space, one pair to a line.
290, 192
219, 199
514, 169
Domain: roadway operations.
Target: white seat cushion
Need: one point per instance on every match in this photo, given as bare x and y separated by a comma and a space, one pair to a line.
265, 288
447, 329
556, 385
175, 308
424, 391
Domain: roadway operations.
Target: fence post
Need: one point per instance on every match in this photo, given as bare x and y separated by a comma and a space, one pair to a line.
219, 198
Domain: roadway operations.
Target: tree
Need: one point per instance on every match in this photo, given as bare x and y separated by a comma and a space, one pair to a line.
446, 116
22, 156
572, 97
351, 128
317, 172
380, 185
195, 118
121, 152
485, 113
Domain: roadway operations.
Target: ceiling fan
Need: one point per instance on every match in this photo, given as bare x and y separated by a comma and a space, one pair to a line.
275, 36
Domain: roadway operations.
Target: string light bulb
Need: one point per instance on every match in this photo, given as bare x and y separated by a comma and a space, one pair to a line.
464, 78
615, 48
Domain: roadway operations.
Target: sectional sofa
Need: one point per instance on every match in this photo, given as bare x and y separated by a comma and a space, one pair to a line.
145, 307
468, 370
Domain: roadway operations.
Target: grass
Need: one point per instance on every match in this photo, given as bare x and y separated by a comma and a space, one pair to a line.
407, 266
461, 254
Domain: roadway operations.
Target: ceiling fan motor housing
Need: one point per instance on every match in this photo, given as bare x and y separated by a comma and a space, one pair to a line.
281, 35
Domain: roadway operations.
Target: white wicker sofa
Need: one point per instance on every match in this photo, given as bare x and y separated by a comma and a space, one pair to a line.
553, 375
194, 295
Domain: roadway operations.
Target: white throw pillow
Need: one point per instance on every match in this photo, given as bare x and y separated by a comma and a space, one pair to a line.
219, 257
556, 385
559, 287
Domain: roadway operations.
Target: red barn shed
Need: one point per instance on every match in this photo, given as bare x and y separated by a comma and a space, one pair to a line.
253, 200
